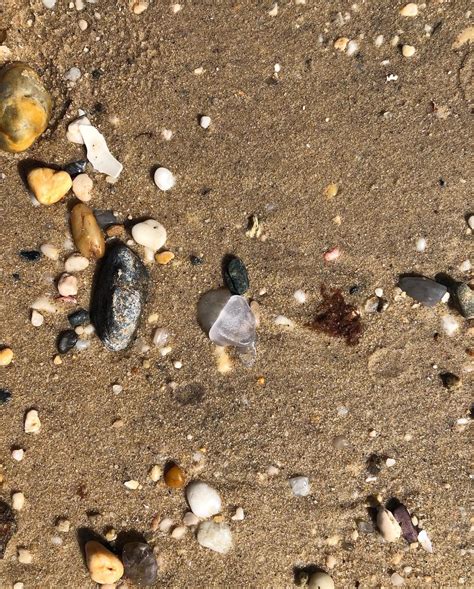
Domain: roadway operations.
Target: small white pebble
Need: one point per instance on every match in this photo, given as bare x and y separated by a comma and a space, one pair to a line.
82, 187
67, 285
177, 364
190, 519
73, 75
165, 525
57, 541
277, 68
164, 179
300, 296
397, 580
239, 515
132, 485
342, 411
462, 421
89, 329
160, 337
466, 266
117, 388
470, 222
167, 134
19, 585
283, 321
18, 501
24, 556
175, 8
352, 48
37, 319
445, 298
300, 486
76, 263
50, 4
273, 471
379, 292
165, 351
390, 462
408, 51
50, 251
378, 41
410, 9
155, 473
63, 525
205, 122
372, 433
82, 345
449, 325
273, 10
32, 422
18, 454
82, 24
421, 245
331, 561
179, 532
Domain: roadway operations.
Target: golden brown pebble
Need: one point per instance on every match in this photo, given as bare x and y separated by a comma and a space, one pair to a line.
146, 364
331, 190
49, 186
410, 9
6, 356
118, 423
57, 360
138, 6
261, 380
341, 43
110, 535
175, 477
164, 258
219, 518
86, 232
115, 231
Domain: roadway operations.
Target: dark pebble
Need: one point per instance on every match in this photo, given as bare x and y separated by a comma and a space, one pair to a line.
7, 526
5, 396
16, 276
374, 464
401, 514
236, 277
465, 299
30, 255
450, 380
355, 289
76, 168
196, 260
79, 317
118, 296
140, 563
105, 218
66, 341
423, 290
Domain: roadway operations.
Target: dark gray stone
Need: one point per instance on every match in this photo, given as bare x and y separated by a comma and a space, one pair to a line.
7, 526
118, 296
78, 317
140, 563
400, 513
5, 396
105, 218
76, 168
67, 340
465, 298
424, 290
236, 277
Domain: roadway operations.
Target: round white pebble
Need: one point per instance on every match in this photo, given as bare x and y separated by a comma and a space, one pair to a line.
160, 337
470, 222
421, 245
37, 319
205, 122
73, 75
203, 500
82, 187
179, 532
19, 585
320, 580
300, 296
190, 519
352, 48
76, 263
449, 325
177, 364
50, 251
300, 486
18, 454
18, 501
150, 234
397, 580
164, 179
165, 525
82, 24
408, 51
379, 292
67, 285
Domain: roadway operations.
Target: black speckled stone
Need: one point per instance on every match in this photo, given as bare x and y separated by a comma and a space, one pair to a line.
424, 290
465, 297
118, 296
78, 317
66, 341
236, 277
5, 396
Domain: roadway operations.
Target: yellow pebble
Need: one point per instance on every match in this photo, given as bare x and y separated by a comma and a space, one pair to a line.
218, 519
261, 380
57, 360
341, 43
104, 567
164, 258
331, 190
6, 356
408, 51
49, 186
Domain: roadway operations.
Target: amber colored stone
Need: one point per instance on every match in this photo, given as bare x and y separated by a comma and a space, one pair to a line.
175, 477
86, 233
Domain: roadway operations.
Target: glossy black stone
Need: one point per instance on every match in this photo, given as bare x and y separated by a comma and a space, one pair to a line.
76, 168
7, 526
66, 341
5, 396
424, 290
30, 255
118, 296
78, 317
105, 218
140, 563
235, 276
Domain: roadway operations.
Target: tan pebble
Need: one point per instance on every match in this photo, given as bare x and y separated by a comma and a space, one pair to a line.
337, 220
57, 360
110, 535
397, 580
410, 9
331, 190
164, 258
104, 567
224, 361
153, 318
63, 525
408, 51
115, 230
49, 186
155, 523
256, 309
18, 501
341, 43
388, 526
165, 525
219, 519
132, 485
333, 540
44, 304
397, 558
146, 364
49, 251
179, 532
67, 285
155, 473
6, 356
86, 232
37, 319
320, 580
76, 263
82, 187
331, 561
83, 24
190, 519
32, 422
24, 556
138, 6
355, 535
466, 36
108, 586
118, 423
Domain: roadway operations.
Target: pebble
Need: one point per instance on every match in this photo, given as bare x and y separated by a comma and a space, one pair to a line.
203, 500
30, 255
425, 542
49, 186
66, 341
132, 485
190, 519
115, 230
300, 296
86, 233
164, 179
388, 526
421, 245
76, 263
82, 345
73, 74
424, 290
340, 442
32, 422
205, 122
73, 131
18, 501
465, 266
8, 526
50, 251
236, 276
150, 234
449, 325
283, 321
140, 563
63, 525
156, 472
332, 254
300, 486
83, 24
164, 258
470, 222
167, 134
138, 6
215, 536
408, 51
401, 514
410, 9
82, 187
331, 561
160, 337
397, 580
390, 462
75, 168
331, 190
111, 535
18, 454
165, 525
19, 585
320, 580
24, 556
239, 515
104, 567
119, 296
174, 477
352, 48
179, 532
78, 317
341, 43
67, 285
450, 380
465, 298
6, 356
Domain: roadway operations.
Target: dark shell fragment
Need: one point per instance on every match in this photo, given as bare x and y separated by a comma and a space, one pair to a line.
422, 289
30, 255
75, 168
105, 218
140, 563
118, 296
235, 276
5, 396
7, 526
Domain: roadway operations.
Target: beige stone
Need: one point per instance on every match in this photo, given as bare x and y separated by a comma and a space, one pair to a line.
49, 186
104, 567
6, 356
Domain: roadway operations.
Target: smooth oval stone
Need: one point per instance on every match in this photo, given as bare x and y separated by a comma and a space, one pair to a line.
118, 296
75, 168
424, 290
5, 396
7, 526
465, 297
67, 340
236, 277
25, 107
30, 255
86, 233
140, 563
78, 317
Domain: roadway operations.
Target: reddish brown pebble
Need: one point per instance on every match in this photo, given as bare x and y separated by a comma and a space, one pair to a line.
174, 477
115, 231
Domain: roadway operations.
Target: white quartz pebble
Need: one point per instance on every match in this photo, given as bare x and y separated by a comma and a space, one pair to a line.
449, 325
190, 519
24, 556
470, 222
352, 48
37, 319
283, 321
50, 251
18, 501
300, 296
73, 74
76, 263
82, 187
32, 422
67, 285
179, 532
425, 541
300, 486
205, 122
397, 580
164, 179
18, 454
150, 234
421, 245
320, 580
410, 9
215, 536
239, 515
160, 337
44, 304
165, 525
203, 500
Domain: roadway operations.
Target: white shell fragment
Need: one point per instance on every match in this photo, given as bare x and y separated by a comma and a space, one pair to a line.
425, 542
215, 536
73, 131
98, 153
388, 526
164, 179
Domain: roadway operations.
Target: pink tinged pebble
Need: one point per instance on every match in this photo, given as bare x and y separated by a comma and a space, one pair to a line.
332, 254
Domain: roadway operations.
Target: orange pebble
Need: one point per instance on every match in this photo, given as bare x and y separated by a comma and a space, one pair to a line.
164, 258
175, 477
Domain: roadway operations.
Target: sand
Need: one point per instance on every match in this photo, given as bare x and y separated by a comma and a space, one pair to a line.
400, 152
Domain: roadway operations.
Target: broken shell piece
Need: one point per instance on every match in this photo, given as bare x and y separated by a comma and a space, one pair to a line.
425, 542
388, 526
98, 153
73, 132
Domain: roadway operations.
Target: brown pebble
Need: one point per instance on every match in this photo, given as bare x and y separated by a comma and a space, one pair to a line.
164, 258
175, 477
115, 231
86, 233
331, 190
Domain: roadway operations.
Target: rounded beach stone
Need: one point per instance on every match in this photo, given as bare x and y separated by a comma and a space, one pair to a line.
236, 276
76, 263
150, 234
32, 422
215, 536
67, 285
203, 500
86, 233
320, 580
66, 341
140, 563
104, 567
300, 486
6, 356
49, 186
175, 477
82, 187
164, 179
